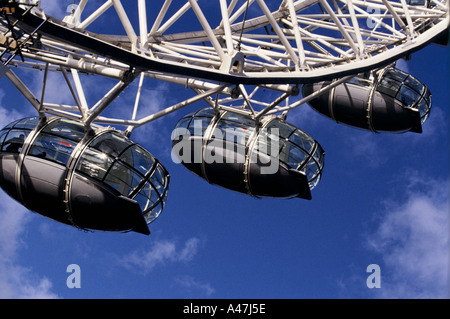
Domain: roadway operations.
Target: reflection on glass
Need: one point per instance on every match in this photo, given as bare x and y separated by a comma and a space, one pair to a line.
110, 144
3, 134
128, 169
52, 148
94, 163
14, 141
13, 135
416, 2
295, 148
122, 178
389, 86
196, 123
108, 157
233, 131
402, 86
66, 128
360, 81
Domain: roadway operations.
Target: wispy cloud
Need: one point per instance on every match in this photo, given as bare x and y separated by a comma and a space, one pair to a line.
162, 252
7, 113
368, 147
17, 281
412, 238
166, 253
192, 284
14, 218
55, 8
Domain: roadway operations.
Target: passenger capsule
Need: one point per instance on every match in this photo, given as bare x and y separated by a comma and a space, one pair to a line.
270, 158
94, 180
391, 101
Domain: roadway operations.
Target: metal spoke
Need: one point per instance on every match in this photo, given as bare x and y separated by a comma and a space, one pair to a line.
250, 45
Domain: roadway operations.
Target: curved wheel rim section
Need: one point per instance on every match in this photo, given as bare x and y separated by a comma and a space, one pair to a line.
262, 42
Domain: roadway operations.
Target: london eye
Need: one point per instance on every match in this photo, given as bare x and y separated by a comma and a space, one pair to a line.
76, 163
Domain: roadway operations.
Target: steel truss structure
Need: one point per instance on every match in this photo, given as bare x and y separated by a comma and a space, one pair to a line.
227, 52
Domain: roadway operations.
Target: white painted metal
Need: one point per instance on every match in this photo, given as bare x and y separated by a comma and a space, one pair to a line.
239, 51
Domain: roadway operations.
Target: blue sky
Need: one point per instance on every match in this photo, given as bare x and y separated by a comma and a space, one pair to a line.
383, 200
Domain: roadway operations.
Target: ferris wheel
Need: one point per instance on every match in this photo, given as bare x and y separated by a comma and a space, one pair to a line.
230, 47
230, 53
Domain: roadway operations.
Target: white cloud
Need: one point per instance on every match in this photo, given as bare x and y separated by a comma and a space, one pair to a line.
54, 8
192, 284
14, 217
412, 238
161, 252
367, 146
17, 281
166, 252
7, 113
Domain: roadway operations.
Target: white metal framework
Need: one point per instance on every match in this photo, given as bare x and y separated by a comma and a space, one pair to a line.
226, 51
